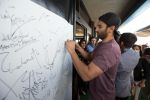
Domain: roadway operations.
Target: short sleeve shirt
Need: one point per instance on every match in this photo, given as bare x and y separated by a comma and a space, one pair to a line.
106, 56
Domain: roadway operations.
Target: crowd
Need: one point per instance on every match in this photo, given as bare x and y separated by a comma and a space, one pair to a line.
113, 69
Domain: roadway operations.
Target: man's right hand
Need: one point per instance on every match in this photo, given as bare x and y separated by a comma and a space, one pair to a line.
70, 45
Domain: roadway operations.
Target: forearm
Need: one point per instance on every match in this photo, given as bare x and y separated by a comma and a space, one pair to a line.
82, 69
85, 54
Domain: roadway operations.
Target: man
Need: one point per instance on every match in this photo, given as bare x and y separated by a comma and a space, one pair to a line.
102, 69
128, 61
91, 45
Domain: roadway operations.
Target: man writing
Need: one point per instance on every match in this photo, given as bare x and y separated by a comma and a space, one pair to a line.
101, 71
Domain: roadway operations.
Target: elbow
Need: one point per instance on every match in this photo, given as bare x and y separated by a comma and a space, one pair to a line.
87, 78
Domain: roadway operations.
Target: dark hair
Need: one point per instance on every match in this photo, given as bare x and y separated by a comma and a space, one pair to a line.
135, 45
128, 39
82, 40
111, 19
147, 51
139, 48
92, 37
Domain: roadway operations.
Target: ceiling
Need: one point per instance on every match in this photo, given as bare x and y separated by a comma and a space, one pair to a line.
145, 32
123, 8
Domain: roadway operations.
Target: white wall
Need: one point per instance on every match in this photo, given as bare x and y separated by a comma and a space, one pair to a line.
34, 64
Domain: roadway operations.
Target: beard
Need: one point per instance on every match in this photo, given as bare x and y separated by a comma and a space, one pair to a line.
102, 35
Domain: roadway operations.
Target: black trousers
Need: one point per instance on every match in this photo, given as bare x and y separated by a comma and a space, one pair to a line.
119, 98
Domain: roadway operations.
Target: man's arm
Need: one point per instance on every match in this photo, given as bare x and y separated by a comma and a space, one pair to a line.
86, 72
85, 54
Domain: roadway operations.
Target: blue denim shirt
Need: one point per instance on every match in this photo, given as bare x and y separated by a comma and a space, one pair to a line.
90, 48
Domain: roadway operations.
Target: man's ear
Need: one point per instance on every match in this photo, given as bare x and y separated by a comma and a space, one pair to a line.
121, 43
111, 29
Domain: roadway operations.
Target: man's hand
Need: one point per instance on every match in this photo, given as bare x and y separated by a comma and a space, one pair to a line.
70, 45
142, 83
133, 84
77, 46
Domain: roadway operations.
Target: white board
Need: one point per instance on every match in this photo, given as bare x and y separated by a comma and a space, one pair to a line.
34, 64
